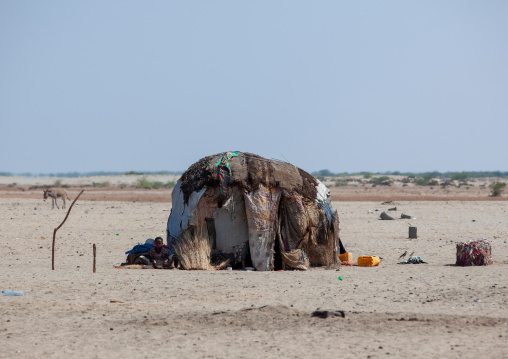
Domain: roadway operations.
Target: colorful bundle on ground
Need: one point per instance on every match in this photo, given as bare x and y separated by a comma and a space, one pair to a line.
474, 253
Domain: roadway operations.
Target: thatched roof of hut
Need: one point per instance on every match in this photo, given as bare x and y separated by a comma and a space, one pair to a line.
248, 171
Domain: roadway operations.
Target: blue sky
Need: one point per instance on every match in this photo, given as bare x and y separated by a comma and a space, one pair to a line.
341, 85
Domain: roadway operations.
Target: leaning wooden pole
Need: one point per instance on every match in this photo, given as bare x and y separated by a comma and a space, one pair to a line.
57, 228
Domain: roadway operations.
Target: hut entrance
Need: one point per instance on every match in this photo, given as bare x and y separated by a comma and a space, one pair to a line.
277, 260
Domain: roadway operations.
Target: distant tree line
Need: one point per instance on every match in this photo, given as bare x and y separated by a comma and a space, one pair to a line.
433, 174
321, 173
88, 174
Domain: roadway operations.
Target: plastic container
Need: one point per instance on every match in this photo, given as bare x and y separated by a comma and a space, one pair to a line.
11, 292
346, 257
368, 261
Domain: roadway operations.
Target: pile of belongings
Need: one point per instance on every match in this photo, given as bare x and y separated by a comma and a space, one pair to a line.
474, 253
413, 260
139, 250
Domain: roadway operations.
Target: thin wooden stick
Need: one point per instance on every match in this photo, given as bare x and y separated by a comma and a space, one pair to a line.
57, 228
94, 255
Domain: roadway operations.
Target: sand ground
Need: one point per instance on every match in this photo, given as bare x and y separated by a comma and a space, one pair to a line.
434, 310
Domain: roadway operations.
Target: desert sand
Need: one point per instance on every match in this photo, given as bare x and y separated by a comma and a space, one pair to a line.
434, 310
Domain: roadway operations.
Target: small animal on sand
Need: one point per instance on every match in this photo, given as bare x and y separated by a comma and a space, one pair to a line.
54, 193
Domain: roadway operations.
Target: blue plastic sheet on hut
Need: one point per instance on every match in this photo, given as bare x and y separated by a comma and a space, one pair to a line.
327, 207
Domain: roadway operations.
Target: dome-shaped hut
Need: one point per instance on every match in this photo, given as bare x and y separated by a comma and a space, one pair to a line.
253, 209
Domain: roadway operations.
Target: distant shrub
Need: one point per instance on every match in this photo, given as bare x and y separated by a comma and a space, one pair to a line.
425, 181
421, 181
462, 176
143, 182
367, 175
381, 181
341, 183
446, 183
157, 184
57, 183
101, 184
325, 173
39, 187
497, 188
122, 185
462, 183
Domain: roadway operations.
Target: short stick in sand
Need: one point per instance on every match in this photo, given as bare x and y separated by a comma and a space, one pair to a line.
94, 256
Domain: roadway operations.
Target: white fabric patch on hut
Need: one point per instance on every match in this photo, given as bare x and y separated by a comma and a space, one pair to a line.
322, 191
232, 232
181, 212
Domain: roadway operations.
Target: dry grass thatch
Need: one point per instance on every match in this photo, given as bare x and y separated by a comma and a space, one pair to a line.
249, 171
194, 249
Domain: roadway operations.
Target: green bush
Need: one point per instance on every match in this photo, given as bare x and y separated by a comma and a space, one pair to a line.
497, 188
101, 184
421, 181
446, 183
425, 181
325, 173
340, 183
143, 182
381, 181
462, 176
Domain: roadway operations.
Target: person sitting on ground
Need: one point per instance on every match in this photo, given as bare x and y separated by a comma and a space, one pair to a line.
160, 255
